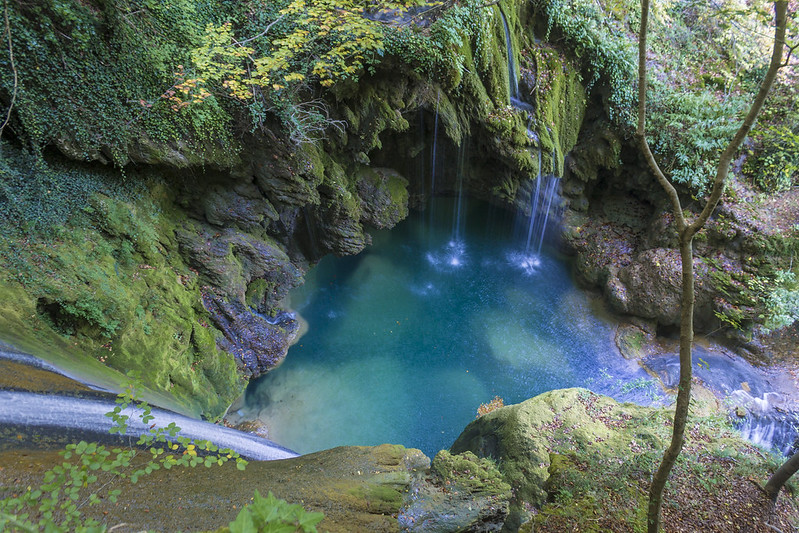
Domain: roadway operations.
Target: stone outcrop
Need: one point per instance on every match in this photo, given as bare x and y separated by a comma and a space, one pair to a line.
382, 488
460, 493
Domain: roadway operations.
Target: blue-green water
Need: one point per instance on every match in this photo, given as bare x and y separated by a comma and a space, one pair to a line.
407, 339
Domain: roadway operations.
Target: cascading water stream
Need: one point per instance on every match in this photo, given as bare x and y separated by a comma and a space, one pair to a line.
534, 206
513, 81
458, 216
433, 161
541, 202
551, 192
32, 410
540, 205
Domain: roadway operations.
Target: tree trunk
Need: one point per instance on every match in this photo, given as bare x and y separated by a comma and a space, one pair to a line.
783, 474
684, 387
687, 231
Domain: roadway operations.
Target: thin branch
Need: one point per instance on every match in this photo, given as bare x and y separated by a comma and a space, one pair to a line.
780, 8
437, 6
791, 50
268, 27
13, 68
641, 130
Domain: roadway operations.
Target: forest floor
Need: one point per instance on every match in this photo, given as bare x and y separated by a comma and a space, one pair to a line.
724, 502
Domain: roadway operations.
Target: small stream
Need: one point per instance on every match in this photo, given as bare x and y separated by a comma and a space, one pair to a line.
408, 338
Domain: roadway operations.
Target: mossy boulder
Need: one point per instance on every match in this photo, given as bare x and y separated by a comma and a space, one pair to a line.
576, 457
358, 488
522, 437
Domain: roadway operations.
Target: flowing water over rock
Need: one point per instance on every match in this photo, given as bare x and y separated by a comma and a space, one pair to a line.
34, 413
407, 339
763, 402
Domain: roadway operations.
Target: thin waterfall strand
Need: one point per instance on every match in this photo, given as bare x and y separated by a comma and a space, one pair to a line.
534, 202
457, 222
512, 79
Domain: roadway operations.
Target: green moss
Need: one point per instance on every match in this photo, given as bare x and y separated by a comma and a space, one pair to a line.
560, 104
469, 472
111, 285
91, 81
257, 290
585, 460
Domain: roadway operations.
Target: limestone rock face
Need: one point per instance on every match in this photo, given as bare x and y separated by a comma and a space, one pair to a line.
230, 260
288, 178
651, 286
339, 230
384, 197
243, 274
242, 206
462, 493
257, 344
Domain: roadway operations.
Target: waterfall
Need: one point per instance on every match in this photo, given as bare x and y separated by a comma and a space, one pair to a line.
513, 81
433, 163
541, 203
534, 206
551, 192
775, 431
458, 219
435, 147
765, 423
62, 413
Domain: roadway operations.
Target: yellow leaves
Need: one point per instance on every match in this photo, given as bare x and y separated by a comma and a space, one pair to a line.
328, 40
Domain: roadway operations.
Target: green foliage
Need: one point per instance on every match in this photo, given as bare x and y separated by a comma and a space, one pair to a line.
689, 130
39, 195
272, 515
782, 302
601, 42
322, 41
91, 472
93, 80
774, 164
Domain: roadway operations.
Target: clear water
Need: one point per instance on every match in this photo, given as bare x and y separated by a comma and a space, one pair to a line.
407, 339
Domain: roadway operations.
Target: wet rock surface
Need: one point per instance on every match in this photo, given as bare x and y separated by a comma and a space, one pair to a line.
257, 344
762, 402
384, 197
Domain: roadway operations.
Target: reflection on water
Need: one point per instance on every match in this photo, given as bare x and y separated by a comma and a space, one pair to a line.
407, 339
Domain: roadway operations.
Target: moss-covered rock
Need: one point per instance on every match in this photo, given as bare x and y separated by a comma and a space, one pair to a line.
577, 456
462, 493
384, 196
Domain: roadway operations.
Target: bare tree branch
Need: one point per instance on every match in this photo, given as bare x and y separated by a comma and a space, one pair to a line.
13, 68
641, 131
781, 8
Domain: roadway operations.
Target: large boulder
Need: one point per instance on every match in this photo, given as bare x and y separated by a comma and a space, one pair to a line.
651, 287
524, 438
